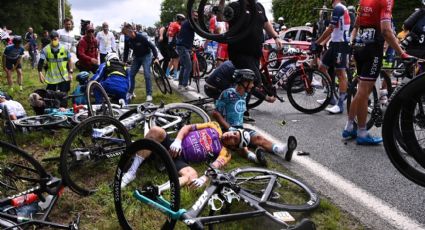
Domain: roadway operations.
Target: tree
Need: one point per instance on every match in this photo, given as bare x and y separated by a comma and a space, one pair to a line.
169, 9
18, 15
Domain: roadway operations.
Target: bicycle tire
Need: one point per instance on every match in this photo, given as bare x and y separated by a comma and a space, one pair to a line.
273, 55
398, 105
296, 97
83, 157
202, 63
46, 120
19, 171
183, 110
159, 76
9, 125
197, 82
252, 181
253, 101
106, 107
129, 210
82, 115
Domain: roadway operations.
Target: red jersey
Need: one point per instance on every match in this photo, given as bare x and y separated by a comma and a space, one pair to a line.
372, 12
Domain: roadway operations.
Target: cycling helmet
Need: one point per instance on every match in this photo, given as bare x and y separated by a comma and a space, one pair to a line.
308, 24
280, 19
245, 138
54, 34
111, 56
241, 75
17, 40
83, 77
180, 17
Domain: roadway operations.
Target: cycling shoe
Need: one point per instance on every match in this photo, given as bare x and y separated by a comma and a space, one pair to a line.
368, 140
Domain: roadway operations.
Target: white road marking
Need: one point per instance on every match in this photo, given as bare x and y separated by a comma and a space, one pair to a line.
390, 214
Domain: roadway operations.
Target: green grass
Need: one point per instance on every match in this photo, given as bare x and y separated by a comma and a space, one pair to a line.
97, 211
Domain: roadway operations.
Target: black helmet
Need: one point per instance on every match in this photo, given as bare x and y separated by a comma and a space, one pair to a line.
17, 40
245, 138
83, 77
54, 34
241, 75
180, 17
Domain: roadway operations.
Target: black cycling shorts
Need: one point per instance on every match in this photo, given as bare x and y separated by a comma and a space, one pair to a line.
11, 62
172, 52
337, 55
179, 162
212, 91
369, 60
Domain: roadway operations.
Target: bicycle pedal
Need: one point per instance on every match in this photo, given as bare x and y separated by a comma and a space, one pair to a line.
75, 225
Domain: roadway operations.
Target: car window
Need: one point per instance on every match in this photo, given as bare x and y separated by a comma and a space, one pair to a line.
290, 35
305, 35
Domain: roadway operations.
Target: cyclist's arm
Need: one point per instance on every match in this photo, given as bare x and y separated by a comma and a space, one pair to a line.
220, 119
161, 33
184, 131
389, 36
326, 35
223, 158
153, 48
268, 27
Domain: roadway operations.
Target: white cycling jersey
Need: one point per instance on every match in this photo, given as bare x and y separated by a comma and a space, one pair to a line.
341, 23
14, 108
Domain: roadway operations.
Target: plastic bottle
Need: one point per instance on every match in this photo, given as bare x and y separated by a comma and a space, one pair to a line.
24, 199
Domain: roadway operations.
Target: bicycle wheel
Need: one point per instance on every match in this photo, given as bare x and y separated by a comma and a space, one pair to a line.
403, 109
84, 114
189, 114
203, 66
41, 121
252, 100
19, 172
372, 110
197, 81
133, 213
273, 55
159, 76
277, 190
98, 102
315, 87
90, 152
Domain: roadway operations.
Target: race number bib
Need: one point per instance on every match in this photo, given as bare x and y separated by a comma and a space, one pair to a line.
367, 35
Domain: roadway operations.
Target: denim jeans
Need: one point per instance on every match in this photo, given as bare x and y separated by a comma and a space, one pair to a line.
185, 64
135, 66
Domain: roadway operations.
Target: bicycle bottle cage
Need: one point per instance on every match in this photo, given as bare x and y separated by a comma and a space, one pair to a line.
238, 29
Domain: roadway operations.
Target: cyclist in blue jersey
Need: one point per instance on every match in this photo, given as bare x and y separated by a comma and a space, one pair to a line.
12, 58
194, 144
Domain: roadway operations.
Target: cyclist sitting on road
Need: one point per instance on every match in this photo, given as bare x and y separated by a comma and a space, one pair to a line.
221, 79
337, 54
230, 108
14, 108
12, 58
114, 77
193, 144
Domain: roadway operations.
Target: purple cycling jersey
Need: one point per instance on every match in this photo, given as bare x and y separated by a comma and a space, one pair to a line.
198, 143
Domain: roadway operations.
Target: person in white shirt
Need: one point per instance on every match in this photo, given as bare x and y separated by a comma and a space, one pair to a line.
67, 38
15, 109
106, 41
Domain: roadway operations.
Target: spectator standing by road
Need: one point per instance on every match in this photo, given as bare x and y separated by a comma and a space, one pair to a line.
164, 48
87, 51
12, 58
173, 30
142, 51
67, 36
29, 45
45, 39
106, 41
59, 65
184, 43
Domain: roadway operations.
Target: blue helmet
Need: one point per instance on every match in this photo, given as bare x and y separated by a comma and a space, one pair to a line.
83, 77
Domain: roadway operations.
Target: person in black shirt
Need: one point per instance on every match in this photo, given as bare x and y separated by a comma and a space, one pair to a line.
45, 39
246, 53
142, 50
414, 43
184, 43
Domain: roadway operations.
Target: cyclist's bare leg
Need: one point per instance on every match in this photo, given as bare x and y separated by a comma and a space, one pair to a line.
342, 77
187, 174
9, 77
359, 104
19, 72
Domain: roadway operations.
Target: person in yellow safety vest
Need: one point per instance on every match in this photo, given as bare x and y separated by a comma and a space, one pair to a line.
59, 65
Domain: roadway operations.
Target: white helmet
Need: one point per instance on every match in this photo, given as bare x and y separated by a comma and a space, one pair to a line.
111, 56
308, 24
280, 19
245, 138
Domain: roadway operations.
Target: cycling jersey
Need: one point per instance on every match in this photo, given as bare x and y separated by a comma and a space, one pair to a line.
231, 105
372, 12
13, 53
14, 108
341, 23
415, 45
204, 139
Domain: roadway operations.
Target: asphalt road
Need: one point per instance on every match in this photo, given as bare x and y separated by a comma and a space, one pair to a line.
363, 182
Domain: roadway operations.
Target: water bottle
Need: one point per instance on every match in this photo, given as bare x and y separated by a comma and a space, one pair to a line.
44, 205
24, 199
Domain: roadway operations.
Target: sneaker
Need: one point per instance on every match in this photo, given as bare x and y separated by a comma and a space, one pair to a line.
349, 134
292, 145
127, 179
261, 157
148, 98
368, 140
334, 109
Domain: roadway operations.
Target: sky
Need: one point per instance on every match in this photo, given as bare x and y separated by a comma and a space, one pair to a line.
145, 12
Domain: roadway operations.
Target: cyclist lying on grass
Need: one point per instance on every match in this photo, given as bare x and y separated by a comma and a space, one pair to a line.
229, 112
15, 109
193, 144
